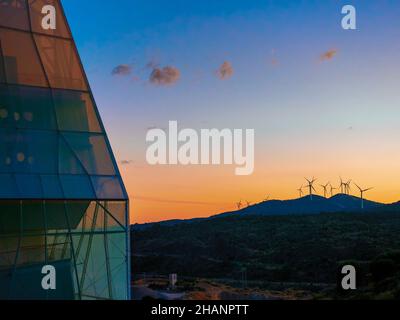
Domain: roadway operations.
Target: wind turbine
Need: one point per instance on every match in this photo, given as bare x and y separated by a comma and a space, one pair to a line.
239, 204
325, 187
362, 194
267, 198
348, 188
342, 186
248, 203
331, 189
301, 191
311, 186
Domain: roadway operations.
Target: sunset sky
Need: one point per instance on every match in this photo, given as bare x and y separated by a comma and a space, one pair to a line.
323, 101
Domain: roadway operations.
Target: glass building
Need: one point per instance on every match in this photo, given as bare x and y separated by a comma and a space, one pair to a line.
62, 199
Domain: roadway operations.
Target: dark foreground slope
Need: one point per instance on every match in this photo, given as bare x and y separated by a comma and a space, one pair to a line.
291, 248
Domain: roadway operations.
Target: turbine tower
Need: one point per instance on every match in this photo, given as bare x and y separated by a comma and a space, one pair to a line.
342, 186
325, 187
311, 186
300, 191
331, 189
362, 194
348, 188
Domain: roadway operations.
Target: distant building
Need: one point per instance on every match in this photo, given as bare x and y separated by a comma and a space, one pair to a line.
62, 199
173, 279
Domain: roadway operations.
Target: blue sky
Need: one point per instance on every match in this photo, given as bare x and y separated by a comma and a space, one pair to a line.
298, 104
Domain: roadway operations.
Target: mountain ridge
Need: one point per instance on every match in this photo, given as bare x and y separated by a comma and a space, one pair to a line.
298, 206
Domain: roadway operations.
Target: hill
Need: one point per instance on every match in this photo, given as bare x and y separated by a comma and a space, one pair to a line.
300, 206
307, 205
286, 249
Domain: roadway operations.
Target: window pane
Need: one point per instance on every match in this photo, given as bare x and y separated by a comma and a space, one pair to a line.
29, 186
68, 161
77, 187
61, 63
51, 187
8, 187
55, 217
92, 151
25, 107
33, 217
118, 210
76, 211
37, 17
8, 252
14, 14
75, 111
107, 188
20, 59
10, 218
25, 151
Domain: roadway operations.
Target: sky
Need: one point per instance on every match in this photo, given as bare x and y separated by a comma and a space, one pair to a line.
323, 101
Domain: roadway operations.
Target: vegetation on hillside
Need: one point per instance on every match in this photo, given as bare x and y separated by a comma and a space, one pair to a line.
295, 250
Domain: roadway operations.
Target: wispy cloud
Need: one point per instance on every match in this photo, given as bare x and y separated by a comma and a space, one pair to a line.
328, 55
165, 76
151, 199
225, 71
274, 61
152, 64
122, 70
126, 162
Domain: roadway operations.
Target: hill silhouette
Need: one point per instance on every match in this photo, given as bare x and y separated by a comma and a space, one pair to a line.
307, 205
300, 206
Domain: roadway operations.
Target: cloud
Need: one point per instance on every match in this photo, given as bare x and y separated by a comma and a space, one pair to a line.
122, 70
328, 55
126, 162
152, 64
274, 62
151, 199
165, 76
225, 71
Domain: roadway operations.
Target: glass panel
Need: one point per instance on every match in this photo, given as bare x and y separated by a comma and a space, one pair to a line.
33, 218
94, 272
10, 218
25, 107
61, 63
75, 112
55, 217
29, 186
22, 64
37, 16
116, 248
2, 66
51, 187
25, 151
77, 213
8, 250
58, 247
68, 162
117, 210
32, 250
107, 187
14, 14
92, 151
77, 187
8, 187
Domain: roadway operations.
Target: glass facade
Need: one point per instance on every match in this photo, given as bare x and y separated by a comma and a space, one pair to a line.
62, 199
